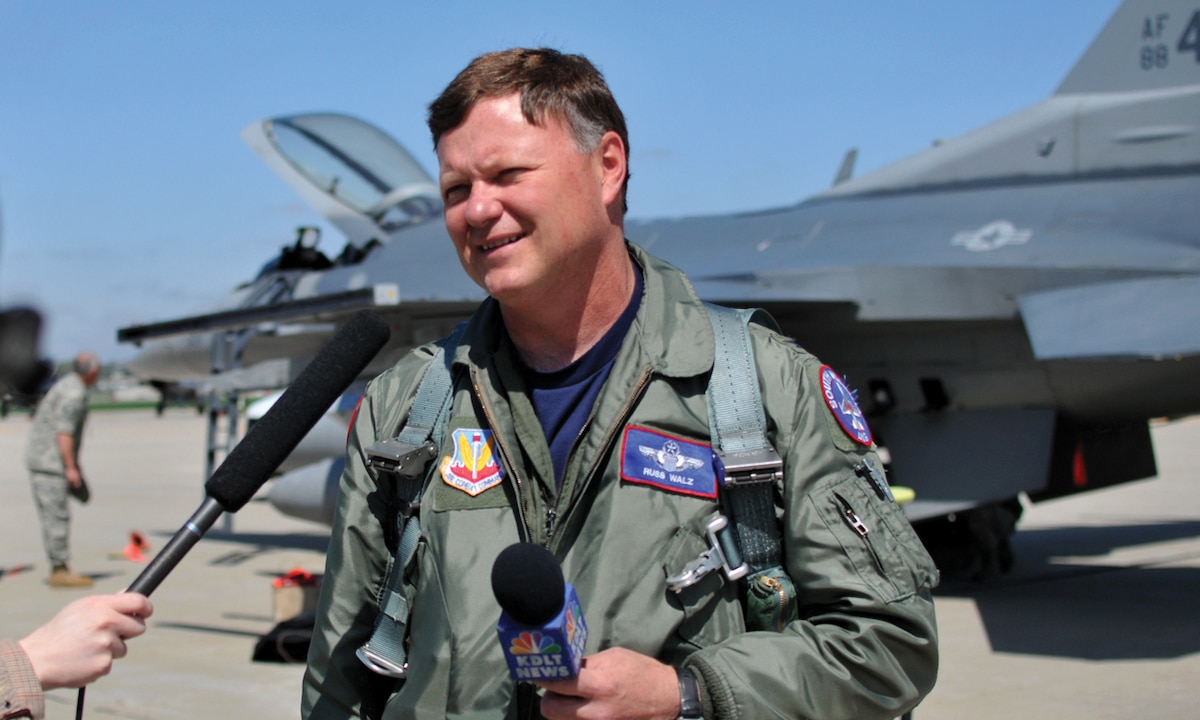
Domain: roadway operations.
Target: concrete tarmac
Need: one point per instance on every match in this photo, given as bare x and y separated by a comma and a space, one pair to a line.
1096, 621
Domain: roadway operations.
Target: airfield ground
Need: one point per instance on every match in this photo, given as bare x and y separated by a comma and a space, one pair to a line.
1097, 620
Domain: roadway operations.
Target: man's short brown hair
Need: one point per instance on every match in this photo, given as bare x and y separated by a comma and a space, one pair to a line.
549, 82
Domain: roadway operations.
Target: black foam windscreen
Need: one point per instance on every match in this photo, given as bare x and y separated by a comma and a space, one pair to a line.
270, 440
528, 583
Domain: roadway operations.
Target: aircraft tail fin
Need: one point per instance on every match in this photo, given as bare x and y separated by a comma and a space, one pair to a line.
846, 170
1146, 45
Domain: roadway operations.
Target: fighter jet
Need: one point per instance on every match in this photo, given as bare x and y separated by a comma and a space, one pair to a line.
1012, 306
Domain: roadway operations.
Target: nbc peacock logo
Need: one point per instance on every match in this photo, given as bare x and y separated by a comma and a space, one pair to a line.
533, 643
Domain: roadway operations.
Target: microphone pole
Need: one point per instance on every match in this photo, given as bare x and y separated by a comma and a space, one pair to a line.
270, 441
178, 546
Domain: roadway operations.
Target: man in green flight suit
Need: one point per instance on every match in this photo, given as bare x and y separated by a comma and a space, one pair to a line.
578, 421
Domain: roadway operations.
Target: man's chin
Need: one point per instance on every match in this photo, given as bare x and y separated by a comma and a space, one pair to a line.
504, 286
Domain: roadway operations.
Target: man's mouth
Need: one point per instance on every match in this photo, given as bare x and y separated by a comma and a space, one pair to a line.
501, 243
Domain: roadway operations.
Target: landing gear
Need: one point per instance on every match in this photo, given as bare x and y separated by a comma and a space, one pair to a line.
974, 544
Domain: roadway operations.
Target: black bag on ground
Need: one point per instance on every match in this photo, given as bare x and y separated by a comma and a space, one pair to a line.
288, 641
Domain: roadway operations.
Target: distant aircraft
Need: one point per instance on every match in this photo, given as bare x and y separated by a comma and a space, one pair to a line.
1012, 305
24, 376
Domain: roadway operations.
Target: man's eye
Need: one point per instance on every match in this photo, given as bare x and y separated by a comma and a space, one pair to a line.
454, 194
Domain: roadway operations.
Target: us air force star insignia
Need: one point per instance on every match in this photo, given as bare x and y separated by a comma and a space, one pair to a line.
473, 467
674, 464
841, 403
992, 236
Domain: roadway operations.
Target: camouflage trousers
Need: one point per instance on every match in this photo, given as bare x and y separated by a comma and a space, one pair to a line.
50, 497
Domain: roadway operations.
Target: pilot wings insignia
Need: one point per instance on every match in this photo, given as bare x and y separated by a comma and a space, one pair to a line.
669, 457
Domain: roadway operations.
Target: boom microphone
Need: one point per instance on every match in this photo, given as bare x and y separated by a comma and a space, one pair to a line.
541, 628
273, 437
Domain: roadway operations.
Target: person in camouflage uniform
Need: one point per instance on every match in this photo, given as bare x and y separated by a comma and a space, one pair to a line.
52, 455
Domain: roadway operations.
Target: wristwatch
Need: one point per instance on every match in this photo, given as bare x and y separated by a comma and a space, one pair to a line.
689, 695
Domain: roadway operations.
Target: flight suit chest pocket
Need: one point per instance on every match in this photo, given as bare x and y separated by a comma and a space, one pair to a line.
878, 540
469, 474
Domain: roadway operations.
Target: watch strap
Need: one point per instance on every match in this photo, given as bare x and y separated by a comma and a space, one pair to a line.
689, 695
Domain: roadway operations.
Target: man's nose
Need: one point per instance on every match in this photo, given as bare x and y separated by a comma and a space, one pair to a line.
483, 207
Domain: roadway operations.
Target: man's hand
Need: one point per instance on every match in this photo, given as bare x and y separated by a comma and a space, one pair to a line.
614, 683
80, 643
66, 448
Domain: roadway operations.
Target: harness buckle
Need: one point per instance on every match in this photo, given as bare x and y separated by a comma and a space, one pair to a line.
379, 664
721, 554
750, 467
401, 458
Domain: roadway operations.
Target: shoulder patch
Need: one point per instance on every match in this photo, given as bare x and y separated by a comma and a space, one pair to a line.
840, 401
667, 462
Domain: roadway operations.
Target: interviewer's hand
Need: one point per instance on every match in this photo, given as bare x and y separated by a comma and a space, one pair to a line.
80, 643
614, 683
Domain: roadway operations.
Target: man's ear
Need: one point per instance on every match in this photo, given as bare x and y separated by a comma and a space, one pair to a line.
613, 165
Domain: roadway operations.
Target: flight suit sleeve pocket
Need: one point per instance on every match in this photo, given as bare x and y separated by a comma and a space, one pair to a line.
877, 539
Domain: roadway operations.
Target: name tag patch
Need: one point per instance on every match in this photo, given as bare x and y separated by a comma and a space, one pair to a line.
649, 457
473, 467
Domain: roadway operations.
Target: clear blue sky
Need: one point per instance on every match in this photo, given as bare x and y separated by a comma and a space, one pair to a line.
127, 196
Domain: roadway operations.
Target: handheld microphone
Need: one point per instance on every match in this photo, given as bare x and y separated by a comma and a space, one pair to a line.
273, 437
541, 628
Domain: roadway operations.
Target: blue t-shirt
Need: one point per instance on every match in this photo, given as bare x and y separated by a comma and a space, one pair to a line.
563, 399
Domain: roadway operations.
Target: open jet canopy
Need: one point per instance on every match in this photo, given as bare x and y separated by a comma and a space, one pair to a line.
359, 178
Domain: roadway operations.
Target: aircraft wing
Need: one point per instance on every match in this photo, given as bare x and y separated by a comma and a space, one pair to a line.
1146, 318
312, 309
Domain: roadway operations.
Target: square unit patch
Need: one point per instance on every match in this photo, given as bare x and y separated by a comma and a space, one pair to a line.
473, 467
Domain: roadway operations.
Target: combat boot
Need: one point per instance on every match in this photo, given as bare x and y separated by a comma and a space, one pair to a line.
61, 577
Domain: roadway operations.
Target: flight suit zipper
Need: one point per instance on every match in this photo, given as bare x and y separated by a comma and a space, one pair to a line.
852, 519
775, 587
858, 526
585, 478
488, 416
552, 511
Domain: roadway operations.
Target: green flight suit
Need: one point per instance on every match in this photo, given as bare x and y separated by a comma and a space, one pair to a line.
865, 643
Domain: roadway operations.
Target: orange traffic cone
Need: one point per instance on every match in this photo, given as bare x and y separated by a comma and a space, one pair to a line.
137, 545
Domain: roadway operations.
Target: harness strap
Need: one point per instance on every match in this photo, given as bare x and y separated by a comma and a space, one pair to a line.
739, 434
418, 443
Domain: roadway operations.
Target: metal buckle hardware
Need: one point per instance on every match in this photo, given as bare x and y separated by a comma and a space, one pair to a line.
402, 458
722, 554
380, 665
749, 467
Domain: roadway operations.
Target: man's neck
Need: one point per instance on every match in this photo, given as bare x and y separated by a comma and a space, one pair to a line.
555, 334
